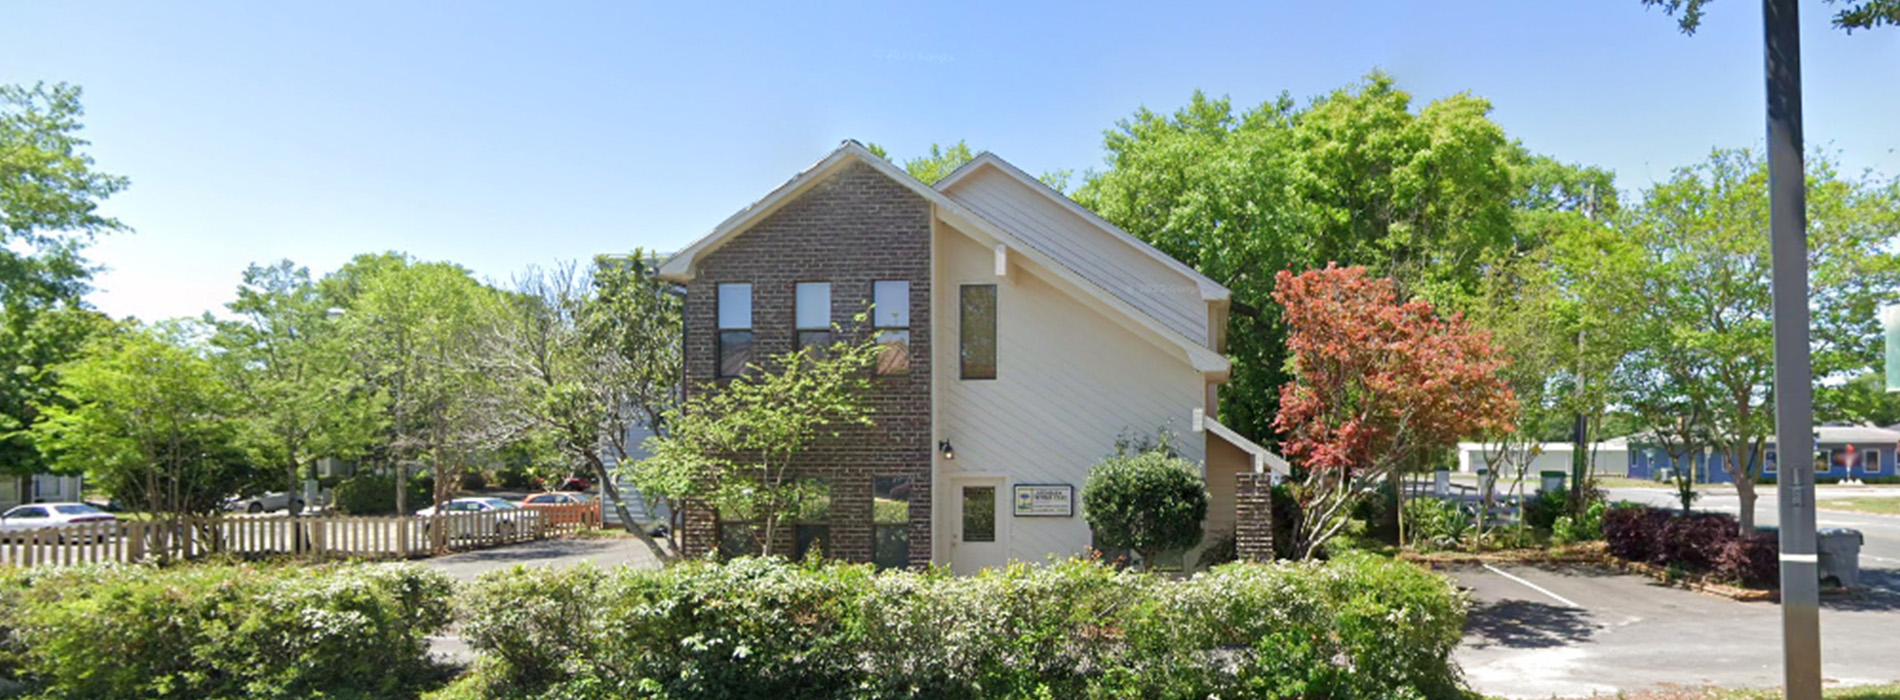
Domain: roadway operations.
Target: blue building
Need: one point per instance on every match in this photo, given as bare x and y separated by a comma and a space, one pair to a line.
1842, 452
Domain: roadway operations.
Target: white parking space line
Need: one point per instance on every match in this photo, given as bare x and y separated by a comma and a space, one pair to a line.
1533, 586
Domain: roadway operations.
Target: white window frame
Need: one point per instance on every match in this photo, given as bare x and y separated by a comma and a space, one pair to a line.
723, 325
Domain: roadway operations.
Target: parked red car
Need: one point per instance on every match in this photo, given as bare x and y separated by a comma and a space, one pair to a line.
564, 508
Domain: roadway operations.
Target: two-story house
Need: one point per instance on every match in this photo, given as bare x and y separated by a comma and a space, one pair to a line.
1022, 334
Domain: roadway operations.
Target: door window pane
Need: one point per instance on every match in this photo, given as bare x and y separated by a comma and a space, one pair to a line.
890, 515
814, 306
977, 323
891, 304
979, 514
735, 306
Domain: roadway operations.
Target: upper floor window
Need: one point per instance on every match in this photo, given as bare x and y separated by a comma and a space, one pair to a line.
890, 311
735, 328
813, 314
977, 324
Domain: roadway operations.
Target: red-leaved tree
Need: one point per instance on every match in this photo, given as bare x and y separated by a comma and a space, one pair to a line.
1377, 382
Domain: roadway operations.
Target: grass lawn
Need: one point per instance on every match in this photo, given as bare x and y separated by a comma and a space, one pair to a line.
1882, 506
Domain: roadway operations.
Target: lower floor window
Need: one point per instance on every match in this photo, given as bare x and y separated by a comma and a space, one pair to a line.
738, 539
890, 518
811, 513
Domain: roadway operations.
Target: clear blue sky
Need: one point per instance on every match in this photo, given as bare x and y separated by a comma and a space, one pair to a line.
500, 135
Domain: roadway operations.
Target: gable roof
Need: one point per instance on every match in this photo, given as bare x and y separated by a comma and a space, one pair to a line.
1208, 288
681, 266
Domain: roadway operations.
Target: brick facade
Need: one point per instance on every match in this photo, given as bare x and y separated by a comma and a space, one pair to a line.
1253, 521
855, 228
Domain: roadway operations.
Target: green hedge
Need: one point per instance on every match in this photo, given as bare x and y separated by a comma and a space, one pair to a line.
221, 631
1356, 627
375, 494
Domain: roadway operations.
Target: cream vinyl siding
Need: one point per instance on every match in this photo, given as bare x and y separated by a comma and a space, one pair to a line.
1171, 298
1068, 381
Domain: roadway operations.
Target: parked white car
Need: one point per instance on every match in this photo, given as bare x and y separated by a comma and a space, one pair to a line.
480, 517
40, 516
263, 503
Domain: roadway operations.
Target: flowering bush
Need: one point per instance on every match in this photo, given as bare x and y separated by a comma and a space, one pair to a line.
761, 628
217, 631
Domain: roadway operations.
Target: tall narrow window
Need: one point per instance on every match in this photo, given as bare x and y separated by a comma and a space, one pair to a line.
735, 328
1870, 463
890, 521
739, 531
890, 307
814, 315
977, 322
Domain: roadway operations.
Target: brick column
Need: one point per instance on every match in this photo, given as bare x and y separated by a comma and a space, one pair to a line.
1253, 521
700, 530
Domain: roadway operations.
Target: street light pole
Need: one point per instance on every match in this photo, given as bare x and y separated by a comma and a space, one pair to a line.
1794, 375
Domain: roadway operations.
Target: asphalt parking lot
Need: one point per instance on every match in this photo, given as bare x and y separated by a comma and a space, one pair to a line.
1566, 631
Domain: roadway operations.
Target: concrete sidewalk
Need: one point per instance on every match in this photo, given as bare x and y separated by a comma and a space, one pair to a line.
1544, 631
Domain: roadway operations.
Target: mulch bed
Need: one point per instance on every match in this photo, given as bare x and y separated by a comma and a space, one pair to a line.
1593, 554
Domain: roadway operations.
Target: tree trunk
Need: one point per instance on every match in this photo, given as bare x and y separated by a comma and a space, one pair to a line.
609, 490
1745, 490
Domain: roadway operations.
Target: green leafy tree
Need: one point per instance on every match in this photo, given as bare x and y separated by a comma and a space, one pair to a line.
1707, 298
286, 359
1358, 177
413, 328
147, 418
584, 359
1854, 14
49, 199
737, 445
1148, 501
1863, 399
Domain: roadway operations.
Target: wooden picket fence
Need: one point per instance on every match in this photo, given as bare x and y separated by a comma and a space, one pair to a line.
317, 537
570, 517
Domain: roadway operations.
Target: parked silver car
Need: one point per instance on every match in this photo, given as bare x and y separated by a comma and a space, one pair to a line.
480, 517
41, 516
263, 503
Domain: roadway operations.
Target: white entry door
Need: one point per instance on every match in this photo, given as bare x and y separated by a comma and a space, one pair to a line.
977, 539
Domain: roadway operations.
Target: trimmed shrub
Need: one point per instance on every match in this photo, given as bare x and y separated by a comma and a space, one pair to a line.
1753, 561
761, 628
1634, 532
213, 631
1436, 524
375, 494
1585, 528
1693, 542
1286, 515
1149, 503
1542, 509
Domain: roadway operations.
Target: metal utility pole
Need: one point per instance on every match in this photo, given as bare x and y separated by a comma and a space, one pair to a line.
1794, 376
